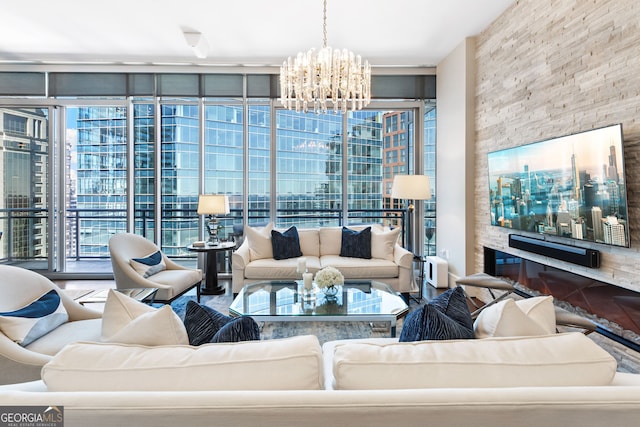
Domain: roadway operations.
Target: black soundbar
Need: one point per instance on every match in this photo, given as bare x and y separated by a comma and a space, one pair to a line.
581, 256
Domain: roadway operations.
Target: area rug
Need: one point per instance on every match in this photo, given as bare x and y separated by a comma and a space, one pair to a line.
325, 331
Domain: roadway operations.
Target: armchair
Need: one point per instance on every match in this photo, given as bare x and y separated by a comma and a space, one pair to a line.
171, 282
19, 288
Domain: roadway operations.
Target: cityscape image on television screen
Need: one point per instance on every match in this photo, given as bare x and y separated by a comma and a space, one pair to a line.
571, 186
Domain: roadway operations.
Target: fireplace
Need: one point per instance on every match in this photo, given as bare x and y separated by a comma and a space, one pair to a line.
616, 310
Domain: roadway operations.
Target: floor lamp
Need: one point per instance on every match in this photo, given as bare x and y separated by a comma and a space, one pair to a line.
411, 188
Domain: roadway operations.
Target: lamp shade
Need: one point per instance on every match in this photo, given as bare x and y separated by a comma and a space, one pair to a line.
213, 204
412, 187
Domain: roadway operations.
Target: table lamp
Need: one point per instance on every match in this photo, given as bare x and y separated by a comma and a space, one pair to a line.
411, 187
212, 205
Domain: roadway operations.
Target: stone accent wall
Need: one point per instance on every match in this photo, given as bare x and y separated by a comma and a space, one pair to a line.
548, 68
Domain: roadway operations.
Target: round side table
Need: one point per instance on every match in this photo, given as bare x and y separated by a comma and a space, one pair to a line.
211, 285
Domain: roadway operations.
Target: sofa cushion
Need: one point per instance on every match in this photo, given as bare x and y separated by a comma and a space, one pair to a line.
361, 268
148, 265
126, 320
330, 240
356, 244
30, 322
286, 244
509, 318
445, 317
383, 243
270, 269
280, 364
204, 325
570, 359
309, 242
259, 240
77, 330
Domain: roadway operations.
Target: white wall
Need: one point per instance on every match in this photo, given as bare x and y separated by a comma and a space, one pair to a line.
455, 159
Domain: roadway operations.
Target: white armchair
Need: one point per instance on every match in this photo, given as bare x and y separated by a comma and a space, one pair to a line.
19, 288
171, 282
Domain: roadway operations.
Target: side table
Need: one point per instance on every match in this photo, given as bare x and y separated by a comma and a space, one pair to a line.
211, 285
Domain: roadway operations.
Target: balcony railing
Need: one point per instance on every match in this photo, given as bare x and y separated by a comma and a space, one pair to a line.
23, 232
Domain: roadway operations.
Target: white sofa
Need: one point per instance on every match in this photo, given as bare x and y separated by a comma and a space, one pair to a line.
562, 379
253, 261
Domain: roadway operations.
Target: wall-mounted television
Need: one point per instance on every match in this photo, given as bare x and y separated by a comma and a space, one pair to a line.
571, 186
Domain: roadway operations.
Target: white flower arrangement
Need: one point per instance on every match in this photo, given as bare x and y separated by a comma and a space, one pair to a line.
329, 276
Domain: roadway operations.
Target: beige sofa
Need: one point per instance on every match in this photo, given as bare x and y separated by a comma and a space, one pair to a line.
253, 261
562, 379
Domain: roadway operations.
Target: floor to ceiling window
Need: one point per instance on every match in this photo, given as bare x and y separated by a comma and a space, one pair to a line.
139, 163
180, 175
430, 170
308, 169
144, 162
24, 195
223, 159
95, 182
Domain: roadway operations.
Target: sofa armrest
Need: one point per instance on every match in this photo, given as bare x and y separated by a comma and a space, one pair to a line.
402, 257
239, 260
241, 256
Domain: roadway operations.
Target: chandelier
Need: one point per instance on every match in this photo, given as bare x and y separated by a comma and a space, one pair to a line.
314, 79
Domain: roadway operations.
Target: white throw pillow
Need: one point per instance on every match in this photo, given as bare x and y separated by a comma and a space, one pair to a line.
508, 319
148, 265
259, 239
126, 320
158, 327
540, 309
26, 324
383, 243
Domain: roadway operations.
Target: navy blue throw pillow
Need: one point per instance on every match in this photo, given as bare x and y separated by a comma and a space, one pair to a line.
242, 328
412, 327
446, 317
356, 244
202, 322
204, 325
286, 245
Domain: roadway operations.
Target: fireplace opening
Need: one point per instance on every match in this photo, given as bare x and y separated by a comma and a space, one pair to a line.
614, 309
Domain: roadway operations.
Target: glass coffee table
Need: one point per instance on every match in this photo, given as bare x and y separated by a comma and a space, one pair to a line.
358, 301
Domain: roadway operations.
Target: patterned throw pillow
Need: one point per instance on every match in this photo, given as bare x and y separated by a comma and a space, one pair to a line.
242, 328
149, 265
204, 325
36, 319
356, 244
445, 317
287, 244
202, 322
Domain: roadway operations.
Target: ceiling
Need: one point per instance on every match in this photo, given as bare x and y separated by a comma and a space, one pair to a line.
407, 33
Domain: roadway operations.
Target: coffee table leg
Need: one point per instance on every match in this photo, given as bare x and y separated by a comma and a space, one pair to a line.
393, 327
